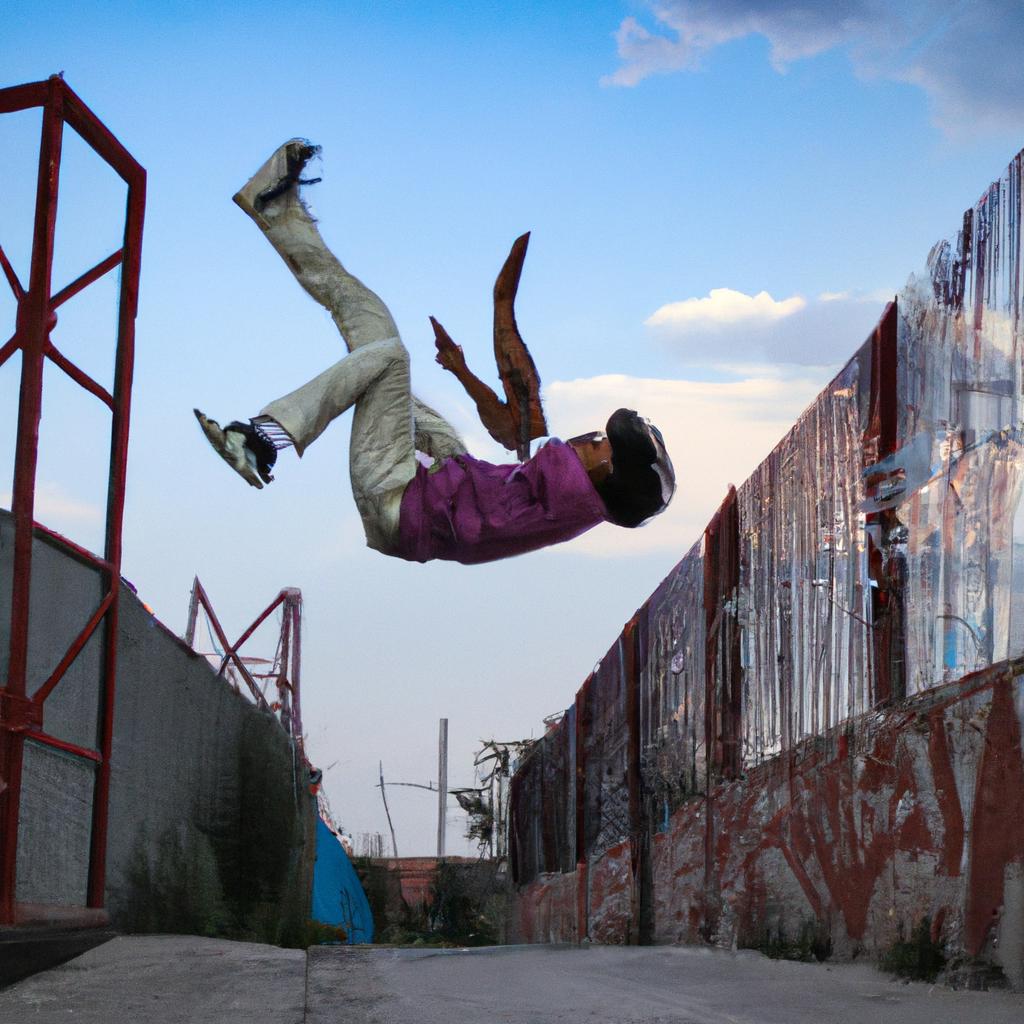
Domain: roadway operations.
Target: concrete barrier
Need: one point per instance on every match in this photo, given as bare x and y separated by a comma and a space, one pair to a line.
211, 822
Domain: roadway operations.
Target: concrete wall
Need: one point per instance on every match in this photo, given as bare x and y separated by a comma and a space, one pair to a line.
211, 822
844, 846
809, 737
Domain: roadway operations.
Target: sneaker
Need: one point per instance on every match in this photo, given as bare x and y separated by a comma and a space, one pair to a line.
242, 448
279, 175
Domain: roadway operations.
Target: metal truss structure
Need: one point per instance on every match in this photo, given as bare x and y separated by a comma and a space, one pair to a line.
21, 713
285, 667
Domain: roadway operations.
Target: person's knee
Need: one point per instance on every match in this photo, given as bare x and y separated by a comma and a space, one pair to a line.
393, 351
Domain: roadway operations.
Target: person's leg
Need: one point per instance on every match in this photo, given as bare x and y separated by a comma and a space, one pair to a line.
375, 379
358, 312
434, 435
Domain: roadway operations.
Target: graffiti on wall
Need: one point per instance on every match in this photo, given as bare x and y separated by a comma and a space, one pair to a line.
755, 711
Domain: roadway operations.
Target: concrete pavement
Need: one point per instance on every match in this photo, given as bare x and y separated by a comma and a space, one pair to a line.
165, 979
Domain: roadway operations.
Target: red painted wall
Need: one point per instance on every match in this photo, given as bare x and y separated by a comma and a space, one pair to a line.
915, 812
416, 875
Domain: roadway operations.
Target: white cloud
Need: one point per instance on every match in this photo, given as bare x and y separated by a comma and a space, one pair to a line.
54, 506
965, 56
716, 433
878, 297
779, 356
723, 307
794, 29
742, 329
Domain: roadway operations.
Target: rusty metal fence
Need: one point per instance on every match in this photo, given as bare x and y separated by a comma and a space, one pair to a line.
876, 553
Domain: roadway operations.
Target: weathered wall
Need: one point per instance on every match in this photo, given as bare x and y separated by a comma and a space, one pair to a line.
211, 822
812, 729
463, 900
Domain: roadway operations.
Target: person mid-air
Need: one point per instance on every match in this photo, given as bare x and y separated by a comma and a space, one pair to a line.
458, 508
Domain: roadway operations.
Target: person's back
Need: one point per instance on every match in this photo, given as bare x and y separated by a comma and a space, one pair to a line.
471, 511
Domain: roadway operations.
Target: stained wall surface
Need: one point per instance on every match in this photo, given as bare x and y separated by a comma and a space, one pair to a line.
812, 728
211, 822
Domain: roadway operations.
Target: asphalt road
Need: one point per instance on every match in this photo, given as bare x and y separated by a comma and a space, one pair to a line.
165, 979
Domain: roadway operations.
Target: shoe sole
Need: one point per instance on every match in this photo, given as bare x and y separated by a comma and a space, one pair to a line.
272, 172
218, 442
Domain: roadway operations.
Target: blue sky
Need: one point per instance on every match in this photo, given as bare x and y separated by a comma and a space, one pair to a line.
673, 163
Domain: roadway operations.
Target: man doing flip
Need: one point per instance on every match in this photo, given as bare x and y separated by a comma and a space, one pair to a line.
460, 508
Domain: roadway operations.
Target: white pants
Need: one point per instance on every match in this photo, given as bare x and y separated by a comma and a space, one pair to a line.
389, 422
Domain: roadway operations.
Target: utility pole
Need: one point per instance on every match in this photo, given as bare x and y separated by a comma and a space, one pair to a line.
442, 783
442, 789
384, 797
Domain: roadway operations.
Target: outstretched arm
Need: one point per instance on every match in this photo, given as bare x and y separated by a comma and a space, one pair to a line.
516, 367
520, 418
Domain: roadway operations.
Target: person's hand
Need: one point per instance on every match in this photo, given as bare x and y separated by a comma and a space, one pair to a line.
449, 355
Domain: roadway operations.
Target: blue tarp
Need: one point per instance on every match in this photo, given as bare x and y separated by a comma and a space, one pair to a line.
338, 897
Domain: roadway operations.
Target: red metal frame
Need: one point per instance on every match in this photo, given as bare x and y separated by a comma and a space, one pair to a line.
286, 668
21, 715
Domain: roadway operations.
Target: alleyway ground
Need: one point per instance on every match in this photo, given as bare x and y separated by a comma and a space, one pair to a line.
172, 979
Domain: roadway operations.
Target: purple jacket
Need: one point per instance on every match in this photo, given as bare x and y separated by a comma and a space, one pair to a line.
471, 511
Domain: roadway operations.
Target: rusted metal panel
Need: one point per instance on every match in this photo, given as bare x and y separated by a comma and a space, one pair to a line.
819, 706
723, 673
815, 721
542, 827
558, 796
886, 535
672, 741
959, 340
805, 590
524, 820
606, 808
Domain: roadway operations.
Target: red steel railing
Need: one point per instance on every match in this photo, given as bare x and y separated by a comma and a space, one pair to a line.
21, 714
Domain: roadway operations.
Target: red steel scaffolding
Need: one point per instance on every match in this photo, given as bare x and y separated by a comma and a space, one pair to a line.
286, 667
21, 714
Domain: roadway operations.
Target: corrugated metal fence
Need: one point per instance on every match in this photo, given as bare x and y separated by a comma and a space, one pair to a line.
868, 559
